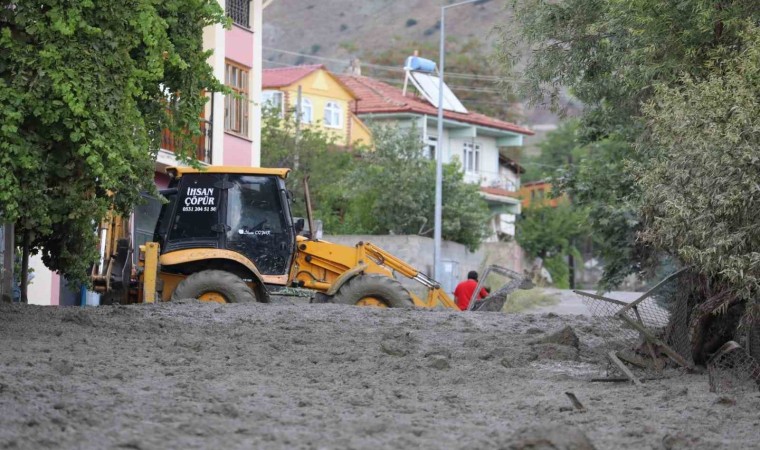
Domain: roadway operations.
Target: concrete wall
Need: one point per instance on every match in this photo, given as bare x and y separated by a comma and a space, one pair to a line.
418, 252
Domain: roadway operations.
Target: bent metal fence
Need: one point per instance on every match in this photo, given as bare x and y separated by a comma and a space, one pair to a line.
647, 333
733, 370
653, 331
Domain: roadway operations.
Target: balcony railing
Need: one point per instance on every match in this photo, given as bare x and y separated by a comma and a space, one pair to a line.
203, 143
505, 183
239, 11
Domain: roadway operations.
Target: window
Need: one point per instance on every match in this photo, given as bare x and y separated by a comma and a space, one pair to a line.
196, 211
272, 99
333, 115
307, 111
257, 226
236, 105
430, 147
471, 159
239, 11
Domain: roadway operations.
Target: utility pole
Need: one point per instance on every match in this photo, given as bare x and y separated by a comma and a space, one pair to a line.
438, 219
296, 155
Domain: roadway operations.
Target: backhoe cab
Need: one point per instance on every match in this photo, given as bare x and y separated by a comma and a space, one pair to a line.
227, 235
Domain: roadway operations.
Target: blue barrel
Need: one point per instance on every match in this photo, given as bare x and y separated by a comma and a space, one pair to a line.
419, 64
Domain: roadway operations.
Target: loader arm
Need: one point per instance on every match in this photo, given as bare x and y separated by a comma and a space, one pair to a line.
325, 267
435, 295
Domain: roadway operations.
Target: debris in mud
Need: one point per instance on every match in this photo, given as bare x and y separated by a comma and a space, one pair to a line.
556, 352
725, 401
672, 394
574, 400
550, 437
78, 317
565, 336
678, 441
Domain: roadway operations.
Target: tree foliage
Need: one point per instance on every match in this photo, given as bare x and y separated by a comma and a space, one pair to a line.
396, 183
86, 89
308, 152
701, 197
388, 188
549, 233
612, 55
559, 150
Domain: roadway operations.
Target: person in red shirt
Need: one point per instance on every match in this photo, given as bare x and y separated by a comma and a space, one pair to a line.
464, 290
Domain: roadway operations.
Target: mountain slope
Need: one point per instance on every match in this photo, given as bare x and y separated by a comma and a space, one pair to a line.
343, 29
385, 31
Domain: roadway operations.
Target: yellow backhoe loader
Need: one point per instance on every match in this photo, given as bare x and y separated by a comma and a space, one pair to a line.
227, 235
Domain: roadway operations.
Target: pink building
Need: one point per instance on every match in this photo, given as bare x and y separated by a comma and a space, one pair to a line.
231, 126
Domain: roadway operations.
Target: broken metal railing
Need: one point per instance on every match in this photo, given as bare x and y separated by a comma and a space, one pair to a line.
645, 326
732, 370
494, 302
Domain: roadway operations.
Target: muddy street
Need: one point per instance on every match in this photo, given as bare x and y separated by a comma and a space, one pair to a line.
192, 375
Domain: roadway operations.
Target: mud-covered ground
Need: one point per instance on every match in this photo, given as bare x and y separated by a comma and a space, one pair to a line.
191, 375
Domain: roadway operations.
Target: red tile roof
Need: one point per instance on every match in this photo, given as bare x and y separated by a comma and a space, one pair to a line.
285, 76
378, 97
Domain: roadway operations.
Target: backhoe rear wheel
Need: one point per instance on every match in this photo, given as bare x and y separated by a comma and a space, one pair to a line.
373, 290
214, 286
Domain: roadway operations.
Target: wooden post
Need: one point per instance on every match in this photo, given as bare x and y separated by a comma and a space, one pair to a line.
150, 276
7, 249
663, 346
613, 357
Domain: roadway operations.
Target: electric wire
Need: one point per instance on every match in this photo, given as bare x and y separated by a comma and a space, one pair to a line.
466, 76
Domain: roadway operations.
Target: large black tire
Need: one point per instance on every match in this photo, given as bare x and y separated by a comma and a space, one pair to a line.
228, 285
387, 290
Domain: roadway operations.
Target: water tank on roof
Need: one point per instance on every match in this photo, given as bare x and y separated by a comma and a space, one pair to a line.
419, 64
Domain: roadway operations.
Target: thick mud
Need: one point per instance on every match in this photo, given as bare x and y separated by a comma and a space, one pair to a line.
191, 375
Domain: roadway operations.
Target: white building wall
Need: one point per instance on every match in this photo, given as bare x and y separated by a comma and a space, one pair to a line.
39, 291
509, 179
257, 27
214, 39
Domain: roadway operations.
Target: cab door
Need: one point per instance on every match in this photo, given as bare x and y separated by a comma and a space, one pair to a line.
259, 225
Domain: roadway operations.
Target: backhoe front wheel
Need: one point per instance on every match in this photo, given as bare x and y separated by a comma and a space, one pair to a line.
214, 286
373, 290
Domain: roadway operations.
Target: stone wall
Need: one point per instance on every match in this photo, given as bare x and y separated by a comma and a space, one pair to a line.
455, 258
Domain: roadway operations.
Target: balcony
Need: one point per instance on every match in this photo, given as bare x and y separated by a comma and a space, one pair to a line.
203, 142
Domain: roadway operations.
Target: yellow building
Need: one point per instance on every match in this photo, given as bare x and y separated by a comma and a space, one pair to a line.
325, 100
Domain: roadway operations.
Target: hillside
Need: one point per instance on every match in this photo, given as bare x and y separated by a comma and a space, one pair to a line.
343, 29
383, 32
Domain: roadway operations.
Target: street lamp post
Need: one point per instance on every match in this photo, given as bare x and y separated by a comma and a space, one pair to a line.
438, 220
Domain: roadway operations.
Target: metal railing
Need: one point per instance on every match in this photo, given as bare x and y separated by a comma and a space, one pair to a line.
239, 11
203, 143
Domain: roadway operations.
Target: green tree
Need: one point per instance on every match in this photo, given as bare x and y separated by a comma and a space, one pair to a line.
395, 191
388, 188
86, 89
309, 151
559, 150
701, 199
549, 233
610, 54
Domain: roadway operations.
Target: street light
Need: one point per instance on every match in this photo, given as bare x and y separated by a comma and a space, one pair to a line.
438, 220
